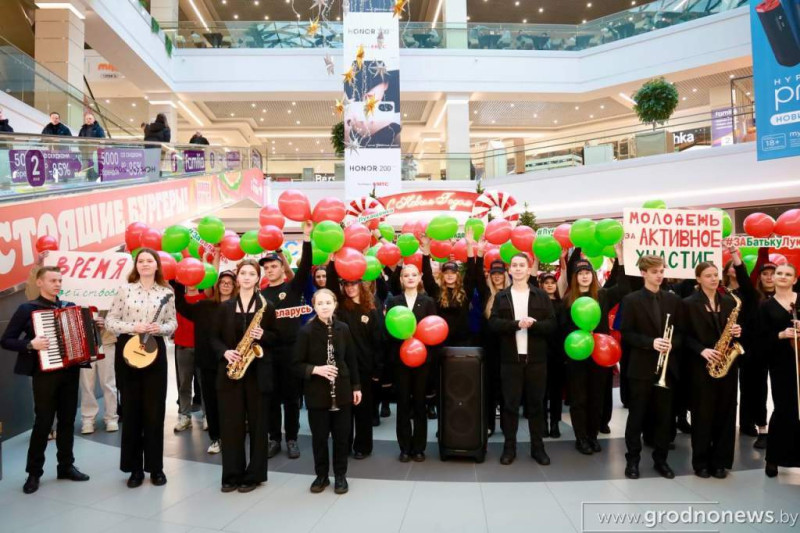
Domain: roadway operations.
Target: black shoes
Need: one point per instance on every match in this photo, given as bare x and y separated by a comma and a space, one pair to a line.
719, 473
31, 484
359, 455
664, 470
632, 470
761, 442
385, 411
432, 412
703, 473
583, 446
540, 456
771, 470
229, 487
136, 479
749, 430
404, 457
158, 478
319, 484
248, 486
273, 448
555, 433
292, 449
418, 457
595, 445
72, 474
605, 430
684, 426
508, 457
376, 420
340, 485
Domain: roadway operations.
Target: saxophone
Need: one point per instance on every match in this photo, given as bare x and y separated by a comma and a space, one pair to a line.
726, 345
248, 347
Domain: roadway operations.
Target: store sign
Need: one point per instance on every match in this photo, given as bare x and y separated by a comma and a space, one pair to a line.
194, 161
722, 126
430, 201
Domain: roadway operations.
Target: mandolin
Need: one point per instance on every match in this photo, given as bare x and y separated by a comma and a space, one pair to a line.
141, 350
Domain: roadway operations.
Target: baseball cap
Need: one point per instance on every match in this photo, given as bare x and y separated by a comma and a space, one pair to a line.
765, 266
450, 265
274, 256
546, 275
228, 273
497, 267
583, 265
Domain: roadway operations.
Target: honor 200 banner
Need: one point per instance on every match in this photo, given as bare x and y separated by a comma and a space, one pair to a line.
775, 32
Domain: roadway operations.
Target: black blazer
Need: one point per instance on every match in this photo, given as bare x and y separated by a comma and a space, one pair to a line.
423, 306
224, 338
311, 349
640, 327
701, 331
503, 322
204, 316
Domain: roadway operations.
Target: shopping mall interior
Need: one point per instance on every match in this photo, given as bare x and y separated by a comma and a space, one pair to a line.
526, 111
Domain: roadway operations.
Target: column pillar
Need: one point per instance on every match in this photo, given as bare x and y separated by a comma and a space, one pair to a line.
457, 129
163, 104
519, 155
454, 15
164, 11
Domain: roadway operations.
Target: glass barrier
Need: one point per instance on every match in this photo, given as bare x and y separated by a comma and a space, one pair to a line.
491, 36
34, 165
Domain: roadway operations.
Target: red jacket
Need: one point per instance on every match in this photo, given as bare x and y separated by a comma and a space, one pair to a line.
184, 335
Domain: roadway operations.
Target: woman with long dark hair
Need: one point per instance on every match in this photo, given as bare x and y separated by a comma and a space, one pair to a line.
556, 361
143, 391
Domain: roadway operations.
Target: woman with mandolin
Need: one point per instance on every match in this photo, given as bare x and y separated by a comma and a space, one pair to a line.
143, 313
245, 328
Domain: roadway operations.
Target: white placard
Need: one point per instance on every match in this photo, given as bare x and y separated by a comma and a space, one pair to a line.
91, 278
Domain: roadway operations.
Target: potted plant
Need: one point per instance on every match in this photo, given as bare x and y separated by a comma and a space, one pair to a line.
656, 101
337, 138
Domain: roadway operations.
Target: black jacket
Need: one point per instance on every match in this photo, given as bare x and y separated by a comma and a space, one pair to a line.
311, 349
640, 327
607, 297
95, 130
224, 338
503, 322
701, 329
157, 132
61, 129
198, 139
456, 316
204, 315
290, 295
4, 127
423, 306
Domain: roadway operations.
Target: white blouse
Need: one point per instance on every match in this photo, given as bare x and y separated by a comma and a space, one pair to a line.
135, 304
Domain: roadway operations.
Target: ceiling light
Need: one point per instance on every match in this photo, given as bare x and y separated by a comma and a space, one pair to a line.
130, 120
294, 103
298, 122
589, 4
262, 119
524, 21
322, 151
290, 143
577, 107
224, 2
516, 3
555, 122
405, 115
317, 141
263, 110
252, 105
297, 149
235, 16
61, 5
340, 18
273, 142
467, 17
535, 115
512, 105
684, 98
584, 21
694, 90
732, 76
475, 112
289, 111
627, 98
255, 2
233, 115
541, 10
108, 101
199, 16
492, 121
591, 116
748, 93
602, 107
266, 17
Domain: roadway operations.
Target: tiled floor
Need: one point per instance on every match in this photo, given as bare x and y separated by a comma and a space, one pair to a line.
386, 495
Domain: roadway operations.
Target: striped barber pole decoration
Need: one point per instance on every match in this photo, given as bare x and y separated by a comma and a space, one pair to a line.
491, 199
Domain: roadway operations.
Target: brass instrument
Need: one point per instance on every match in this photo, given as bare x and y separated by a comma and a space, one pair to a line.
663, 357
726, 345
248, 347
331, 360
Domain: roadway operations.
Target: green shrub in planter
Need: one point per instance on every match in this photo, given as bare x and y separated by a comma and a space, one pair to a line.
655, 101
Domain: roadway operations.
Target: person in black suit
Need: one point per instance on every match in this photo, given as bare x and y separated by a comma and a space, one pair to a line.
410, 382
325, 358
54, 392
647, 312
713, 399
523, 318
244, 403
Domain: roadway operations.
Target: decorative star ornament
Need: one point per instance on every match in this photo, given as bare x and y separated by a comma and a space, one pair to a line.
319, 4
378, 69
329, 64
349, 76
369, 105
352, 144
342, 104
313, 27
360, 57
399, 7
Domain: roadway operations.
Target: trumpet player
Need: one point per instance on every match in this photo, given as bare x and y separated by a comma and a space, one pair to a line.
244, 324
649, 317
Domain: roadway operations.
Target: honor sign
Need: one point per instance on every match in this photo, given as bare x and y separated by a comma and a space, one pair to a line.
684, 238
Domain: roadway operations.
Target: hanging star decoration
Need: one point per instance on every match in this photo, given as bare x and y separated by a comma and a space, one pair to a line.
399, 7
369, 105
380, 39
360, 57
313, 27
352, 144
349, 76
378, 69
329, 64
342, 104
319, 4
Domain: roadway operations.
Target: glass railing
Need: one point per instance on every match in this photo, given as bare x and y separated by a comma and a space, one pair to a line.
35, 165
694, 132
492, 36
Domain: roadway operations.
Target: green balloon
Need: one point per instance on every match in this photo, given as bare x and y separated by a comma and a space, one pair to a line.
175, 239
477, 227
750, 262
318, 257
441, 259
582, 232
596, 261
210, 277
592, 248
387, 231
654, 204
374, 268
727, 223
609, 251
408, 244
195, 250
546, 248
135, 252
507, 251
401, 322
442, 228
609, 231
373, 251
328, 236
211, 229
249, 243
748, 250
579, 345
585, 312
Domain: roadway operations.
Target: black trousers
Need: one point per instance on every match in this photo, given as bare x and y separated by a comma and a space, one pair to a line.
361, 437
587, 384
410, 385
518, 379
54, 393
608, 400
494, 393
713, 419
208, 386
623, 371
324, 423
554, 392
286, 392
753, 376
144, 397
242, 406
651, 404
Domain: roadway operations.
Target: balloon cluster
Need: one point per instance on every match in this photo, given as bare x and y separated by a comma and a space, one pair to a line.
582, 343
760, 225
430, 331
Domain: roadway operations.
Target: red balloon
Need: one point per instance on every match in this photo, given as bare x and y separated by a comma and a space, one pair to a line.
372, 223
231, 233
420, 229
357, 236
441, 249
372, 240
759, 225
778, 259
190, 271
413, 353
617, 334
271, 216
209, 258
185, 253
432, 330
490, 257
133, 235
788, 223
415, 259
270, 237
522, 238
168, 265
229, 246
388, 254
460, 250
294, 205
328, 209
408, 227
561, 234
498, 231
607, 350
46, 242
151, 238
264, 283
350, 264
726, 256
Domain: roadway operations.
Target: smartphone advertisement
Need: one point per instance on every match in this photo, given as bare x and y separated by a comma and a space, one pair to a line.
775, 28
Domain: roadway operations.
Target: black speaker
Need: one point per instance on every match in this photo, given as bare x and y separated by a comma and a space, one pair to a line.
462, 411
778, 24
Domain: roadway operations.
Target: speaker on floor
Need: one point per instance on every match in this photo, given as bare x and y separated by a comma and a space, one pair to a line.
462, 412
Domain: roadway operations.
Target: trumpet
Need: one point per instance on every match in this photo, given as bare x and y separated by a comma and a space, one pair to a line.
663, 357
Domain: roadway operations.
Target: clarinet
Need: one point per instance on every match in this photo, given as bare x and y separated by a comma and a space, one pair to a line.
331, 361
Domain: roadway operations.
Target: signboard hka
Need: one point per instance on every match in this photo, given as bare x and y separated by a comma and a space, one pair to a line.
684, 238
91, 278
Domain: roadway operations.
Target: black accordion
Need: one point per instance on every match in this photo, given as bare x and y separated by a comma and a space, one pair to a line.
74, 337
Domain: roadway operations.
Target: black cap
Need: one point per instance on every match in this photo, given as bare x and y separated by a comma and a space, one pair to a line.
227, 273
546, 275
765, 266
497, 267
583, 265
450, 265
274, 256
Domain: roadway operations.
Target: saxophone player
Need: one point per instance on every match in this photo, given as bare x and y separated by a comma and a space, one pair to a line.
649, 314
244, 323
708, 320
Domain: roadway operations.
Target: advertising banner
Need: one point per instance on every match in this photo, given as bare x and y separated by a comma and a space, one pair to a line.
722, 126
194, 161
429, 201
775, 29
91, 278
122, 164
371, 99
684, 238
39, 166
